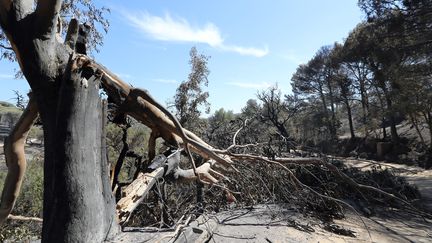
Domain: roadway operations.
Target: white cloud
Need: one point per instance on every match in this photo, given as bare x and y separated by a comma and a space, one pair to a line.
291, 57
165, 81
167, 28
6, 76
250, 85
246, 51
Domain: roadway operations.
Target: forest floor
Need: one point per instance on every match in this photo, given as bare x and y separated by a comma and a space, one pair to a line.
283, 223
280, 223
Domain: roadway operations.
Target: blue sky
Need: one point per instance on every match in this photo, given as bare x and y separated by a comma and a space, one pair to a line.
252, 44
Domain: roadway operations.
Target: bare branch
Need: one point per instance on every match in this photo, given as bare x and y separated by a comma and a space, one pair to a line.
15, 159
177, 230
141, 106
320, 162
6, 47
203, 172
24, 218
235, 135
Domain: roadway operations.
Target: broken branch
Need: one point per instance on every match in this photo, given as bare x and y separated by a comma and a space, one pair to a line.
15, 159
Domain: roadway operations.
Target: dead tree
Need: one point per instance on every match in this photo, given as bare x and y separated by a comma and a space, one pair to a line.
78, 203
78, 206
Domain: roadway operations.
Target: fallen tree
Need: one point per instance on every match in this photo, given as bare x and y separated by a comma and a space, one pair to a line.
78, 200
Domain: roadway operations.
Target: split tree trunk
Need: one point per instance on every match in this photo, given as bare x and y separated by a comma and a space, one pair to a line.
83, 201
78, 205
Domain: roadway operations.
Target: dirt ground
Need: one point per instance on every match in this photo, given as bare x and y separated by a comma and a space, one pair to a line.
262, 225
280, 223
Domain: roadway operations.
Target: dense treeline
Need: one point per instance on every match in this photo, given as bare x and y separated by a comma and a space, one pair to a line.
382, 72
377, 79
375, 82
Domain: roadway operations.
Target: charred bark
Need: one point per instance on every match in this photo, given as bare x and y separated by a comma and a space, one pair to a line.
78, 205
120, 160
350, 120
83, 206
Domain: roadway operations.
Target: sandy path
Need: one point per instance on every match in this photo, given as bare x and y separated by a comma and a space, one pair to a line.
274, 223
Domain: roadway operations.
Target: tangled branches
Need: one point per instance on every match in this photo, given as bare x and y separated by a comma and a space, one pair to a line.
315, 184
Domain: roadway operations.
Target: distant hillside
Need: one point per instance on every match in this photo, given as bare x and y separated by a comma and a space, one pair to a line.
9, 115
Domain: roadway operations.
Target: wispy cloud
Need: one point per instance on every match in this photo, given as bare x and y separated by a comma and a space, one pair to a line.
250, 85
6, 76
165, 81
292, 57
167, 28
247, 51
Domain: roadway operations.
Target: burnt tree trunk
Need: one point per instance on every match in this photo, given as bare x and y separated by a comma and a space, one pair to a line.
83, 201
350, 119
345, 90
78, 204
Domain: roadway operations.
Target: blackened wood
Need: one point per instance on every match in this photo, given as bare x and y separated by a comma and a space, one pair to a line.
120, 161
81, 42
72, 34
82, 209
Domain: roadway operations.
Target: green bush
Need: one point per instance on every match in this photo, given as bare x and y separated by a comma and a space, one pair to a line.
35, 133
9, 114
29, 203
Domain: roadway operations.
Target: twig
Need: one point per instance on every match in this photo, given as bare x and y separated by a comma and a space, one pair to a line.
331, 167
235, 135
6, 47
293, 177
177, 231
24, 218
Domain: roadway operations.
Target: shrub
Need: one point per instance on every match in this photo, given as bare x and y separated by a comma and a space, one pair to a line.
29, 203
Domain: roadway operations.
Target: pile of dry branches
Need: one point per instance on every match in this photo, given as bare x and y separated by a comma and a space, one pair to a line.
314, 184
